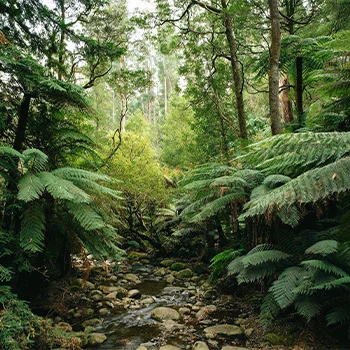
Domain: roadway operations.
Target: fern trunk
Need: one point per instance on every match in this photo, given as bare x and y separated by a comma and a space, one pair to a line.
23, 117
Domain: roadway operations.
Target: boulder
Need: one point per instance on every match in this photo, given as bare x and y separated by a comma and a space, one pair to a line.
167, 262
132, 278
165, 313
161, 271
64, 326
223, 329
229, 347
134, 294
178, 266
170, 279
93, 322
111, 296
169, 347
186, 273
96, 339
200, 345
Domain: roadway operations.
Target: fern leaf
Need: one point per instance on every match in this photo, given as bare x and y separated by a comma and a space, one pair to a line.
32, 228
276, 180
235, 266
35, 160
337, 283
269, 310
308, 307
283, 288
263, 257
255, 273
324, 248
338, 315
91, 185
86, 216
80, 174
325, 266
5, 274
30, 187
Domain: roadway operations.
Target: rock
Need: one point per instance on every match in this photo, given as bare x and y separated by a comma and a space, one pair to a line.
93, 322
113, 278
121, 293
178, 266
186, 273
96, 339
249, 331
210, 308
89, 329
229, 347
165, 313
134, 294
275, 339
108, 289
170, 324
147, 301
196, 308
137, 255
170, 279
109, 304
223, 329
97, 297
184, 311
132, 278
141, 348
201, 314
167, 262
169, 347
209, 294
103, 312
200, 345
161, 271
111, 296
64, 326
83, 283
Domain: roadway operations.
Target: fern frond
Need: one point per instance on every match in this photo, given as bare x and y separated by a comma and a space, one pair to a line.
235, 266
336, 283
255, 273
32, 228
338, 315
283, 288
276, 180
269, 310
308, 307
35, 160
325, 266
87, 218
263, 257
73, 174
324, 248
5, 274
30, 187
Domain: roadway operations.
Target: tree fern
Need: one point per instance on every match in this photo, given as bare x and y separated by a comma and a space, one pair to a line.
86, 216
307, 307
325, 266
269, 309
338, 315
262, 257
323, 248
343, 282
30, 187
35, 160
32, 228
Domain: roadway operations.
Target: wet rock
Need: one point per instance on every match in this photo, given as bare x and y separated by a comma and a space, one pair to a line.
137, 255
276, 339
147, 301
108, 289
249, 331
184, 311
165, 313
89, 329
161, 272
121, 293
113, 278
167, 262
132, 278
64, 326
200, 345
109, 304
171, 324
95, 322
178, 266
169, 347
209, 294
111, 296
223, 329
134, 294
96, 297
141, 348
103, 312
229, 347
207, 322
186, 273
170, 279
210, 308
96, 339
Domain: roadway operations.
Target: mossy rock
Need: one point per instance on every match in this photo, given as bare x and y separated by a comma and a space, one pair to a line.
276, 339
178, 266
186, 273
167, 262
137, 255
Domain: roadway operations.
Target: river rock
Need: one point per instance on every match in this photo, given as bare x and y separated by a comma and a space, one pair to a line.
165, 313
103, 312
93, 322
132, 278
169, 347
210, 308
223, 329
249, 331
96, 297
229, 347
167, 262
111, 296
178, 266
147, 301
122, 293
108, 289
96, 339
83, 283
184, 311
186, 273
64, 326
200, 345
161, 271
141, 348
134, 294
170, 279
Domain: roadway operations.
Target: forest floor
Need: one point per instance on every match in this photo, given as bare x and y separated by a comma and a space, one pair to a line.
168, 306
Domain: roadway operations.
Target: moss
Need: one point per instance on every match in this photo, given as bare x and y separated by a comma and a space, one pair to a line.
275, 339
184, 273
178, 266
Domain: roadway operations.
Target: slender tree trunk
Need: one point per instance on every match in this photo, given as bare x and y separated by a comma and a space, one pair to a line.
299, 90
62, 41
275, 48
23, 116
237, 80
286, 103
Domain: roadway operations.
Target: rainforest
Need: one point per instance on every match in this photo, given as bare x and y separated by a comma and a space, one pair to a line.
174, 174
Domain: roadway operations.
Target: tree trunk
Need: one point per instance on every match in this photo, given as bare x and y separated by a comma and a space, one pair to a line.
299, 91
237, 80
275, 48
286, 103
23, 116
62, 41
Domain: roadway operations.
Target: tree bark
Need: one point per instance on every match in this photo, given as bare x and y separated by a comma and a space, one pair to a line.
237, 80
23, 116
275, 48
286, 103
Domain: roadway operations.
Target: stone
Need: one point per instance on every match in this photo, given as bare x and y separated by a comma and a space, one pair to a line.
134, 294
209, 294
249, 331
111, 296
103, 312
109, 304
64, 326
147, 301
108, 289
170, 279
169, 347
170, 324
89, 329
186, 273
165, 313
178, 266
223, 329
200, 268
96, 339
200, 345
210, 308
229, 347
122, 293
276, 339
95, 322
113, 278
161, 271
137, 255
184, 311
132, 278
167, 262
141, 348
97, 297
